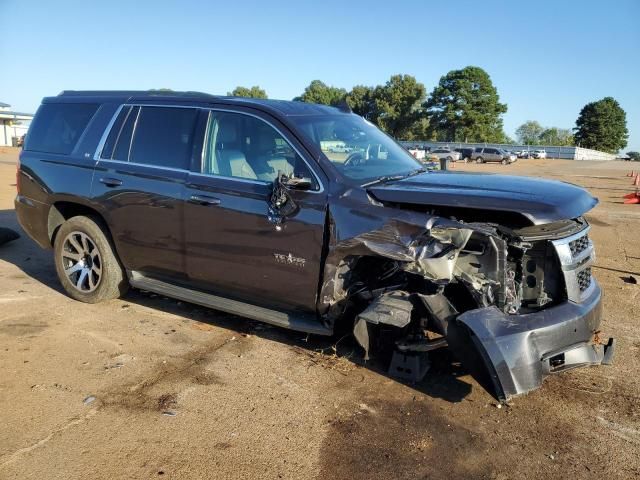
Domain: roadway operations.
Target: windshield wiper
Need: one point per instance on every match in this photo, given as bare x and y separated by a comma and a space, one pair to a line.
417, 172
384, 179
390, 178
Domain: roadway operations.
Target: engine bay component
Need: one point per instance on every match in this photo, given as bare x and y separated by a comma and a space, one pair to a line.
393, 309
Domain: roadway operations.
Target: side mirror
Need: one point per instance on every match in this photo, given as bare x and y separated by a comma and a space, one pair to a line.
281, 205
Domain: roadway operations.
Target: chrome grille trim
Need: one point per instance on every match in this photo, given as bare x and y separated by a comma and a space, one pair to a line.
579, 245
576, 255
584, 279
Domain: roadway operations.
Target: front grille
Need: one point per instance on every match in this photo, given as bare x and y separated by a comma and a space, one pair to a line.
584, 279
576, 255
579, 245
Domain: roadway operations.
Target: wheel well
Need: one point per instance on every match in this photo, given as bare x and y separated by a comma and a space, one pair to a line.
60, 212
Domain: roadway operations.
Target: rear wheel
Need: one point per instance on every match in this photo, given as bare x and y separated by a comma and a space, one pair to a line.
479, 160
86, 262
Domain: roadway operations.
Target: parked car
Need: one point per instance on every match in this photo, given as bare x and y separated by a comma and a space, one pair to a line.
512, 156
465, 153
441, 153
185, 195
491, 154
539, 154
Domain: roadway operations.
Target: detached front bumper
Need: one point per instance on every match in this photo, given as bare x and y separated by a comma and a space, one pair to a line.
520, 350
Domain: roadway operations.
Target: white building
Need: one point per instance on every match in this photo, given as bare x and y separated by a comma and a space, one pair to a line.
12, 125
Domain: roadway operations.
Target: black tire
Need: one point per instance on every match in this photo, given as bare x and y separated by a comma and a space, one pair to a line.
449, 159
86, 262
504, 161
479, 160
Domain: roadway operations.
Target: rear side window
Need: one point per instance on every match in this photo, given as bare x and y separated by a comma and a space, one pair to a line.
163, 137
114, 133
118, 142
57, 127
158, 136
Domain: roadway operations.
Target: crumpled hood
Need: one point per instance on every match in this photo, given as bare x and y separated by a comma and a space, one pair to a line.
541, 201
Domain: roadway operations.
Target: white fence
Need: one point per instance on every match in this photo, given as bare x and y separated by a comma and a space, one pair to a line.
587, 154
569, 153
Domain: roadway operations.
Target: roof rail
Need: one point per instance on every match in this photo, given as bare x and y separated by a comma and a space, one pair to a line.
132, 93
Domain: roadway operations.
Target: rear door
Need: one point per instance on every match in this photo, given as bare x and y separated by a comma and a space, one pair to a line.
139, 183
232, 246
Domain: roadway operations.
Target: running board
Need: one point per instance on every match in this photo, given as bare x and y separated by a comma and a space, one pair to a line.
302, 322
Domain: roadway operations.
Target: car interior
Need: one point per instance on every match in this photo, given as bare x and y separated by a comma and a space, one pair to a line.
246, 147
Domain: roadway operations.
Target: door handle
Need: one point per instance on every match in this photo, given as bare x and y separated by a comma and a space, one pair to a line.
204, 200
111, 182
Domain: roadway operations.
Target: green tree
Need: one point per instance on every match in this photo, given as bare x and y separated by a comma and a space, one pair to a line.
602, 125
361, 100
529, 132
319, 92
419, 130
398, 106
253, 92
556, 136
465, 106
635, 156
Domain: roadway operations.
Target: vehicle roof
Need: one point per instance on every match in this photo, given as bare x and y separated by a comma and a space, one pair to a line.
280, 107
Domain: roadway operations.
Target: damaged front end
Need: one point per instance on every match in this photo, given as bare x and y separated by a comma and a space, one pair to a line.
520, 301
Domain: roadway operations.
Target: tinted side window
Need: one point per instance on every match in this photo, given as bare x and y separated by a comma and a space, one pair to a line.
163, 136
243, 146
57, 127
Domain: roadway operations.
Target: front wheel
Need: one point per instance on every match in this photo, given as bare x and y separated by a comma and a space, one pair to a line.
479, 160
86, 262
504, 161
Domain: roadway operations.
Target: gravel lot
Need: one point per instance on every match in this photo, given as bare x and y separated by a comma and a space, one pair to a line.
147, 387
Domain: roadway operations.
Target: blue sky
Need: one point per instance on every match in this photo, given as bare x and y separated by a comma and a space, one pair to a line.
547, 58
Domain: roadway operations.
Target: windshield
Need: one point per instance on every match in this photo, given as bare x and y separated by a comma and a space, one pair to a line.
357, 148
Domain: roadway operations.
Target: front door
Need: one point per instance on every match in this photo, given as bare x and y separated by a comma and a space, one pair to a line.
232, 245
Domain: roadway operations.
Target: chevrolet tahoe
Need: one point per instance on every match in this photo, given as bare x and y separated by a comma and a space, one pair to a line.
234, 204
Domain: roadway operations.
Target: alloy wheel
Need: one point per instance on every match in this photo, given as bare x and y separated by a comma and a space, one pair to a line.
81, 262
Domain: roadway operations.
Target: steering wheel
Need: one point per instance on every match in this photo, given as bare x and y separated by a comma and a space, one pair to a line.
354, 159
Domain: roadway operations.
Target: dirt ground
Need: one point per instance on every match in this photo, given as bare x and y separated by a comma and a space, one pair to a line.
148, 387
